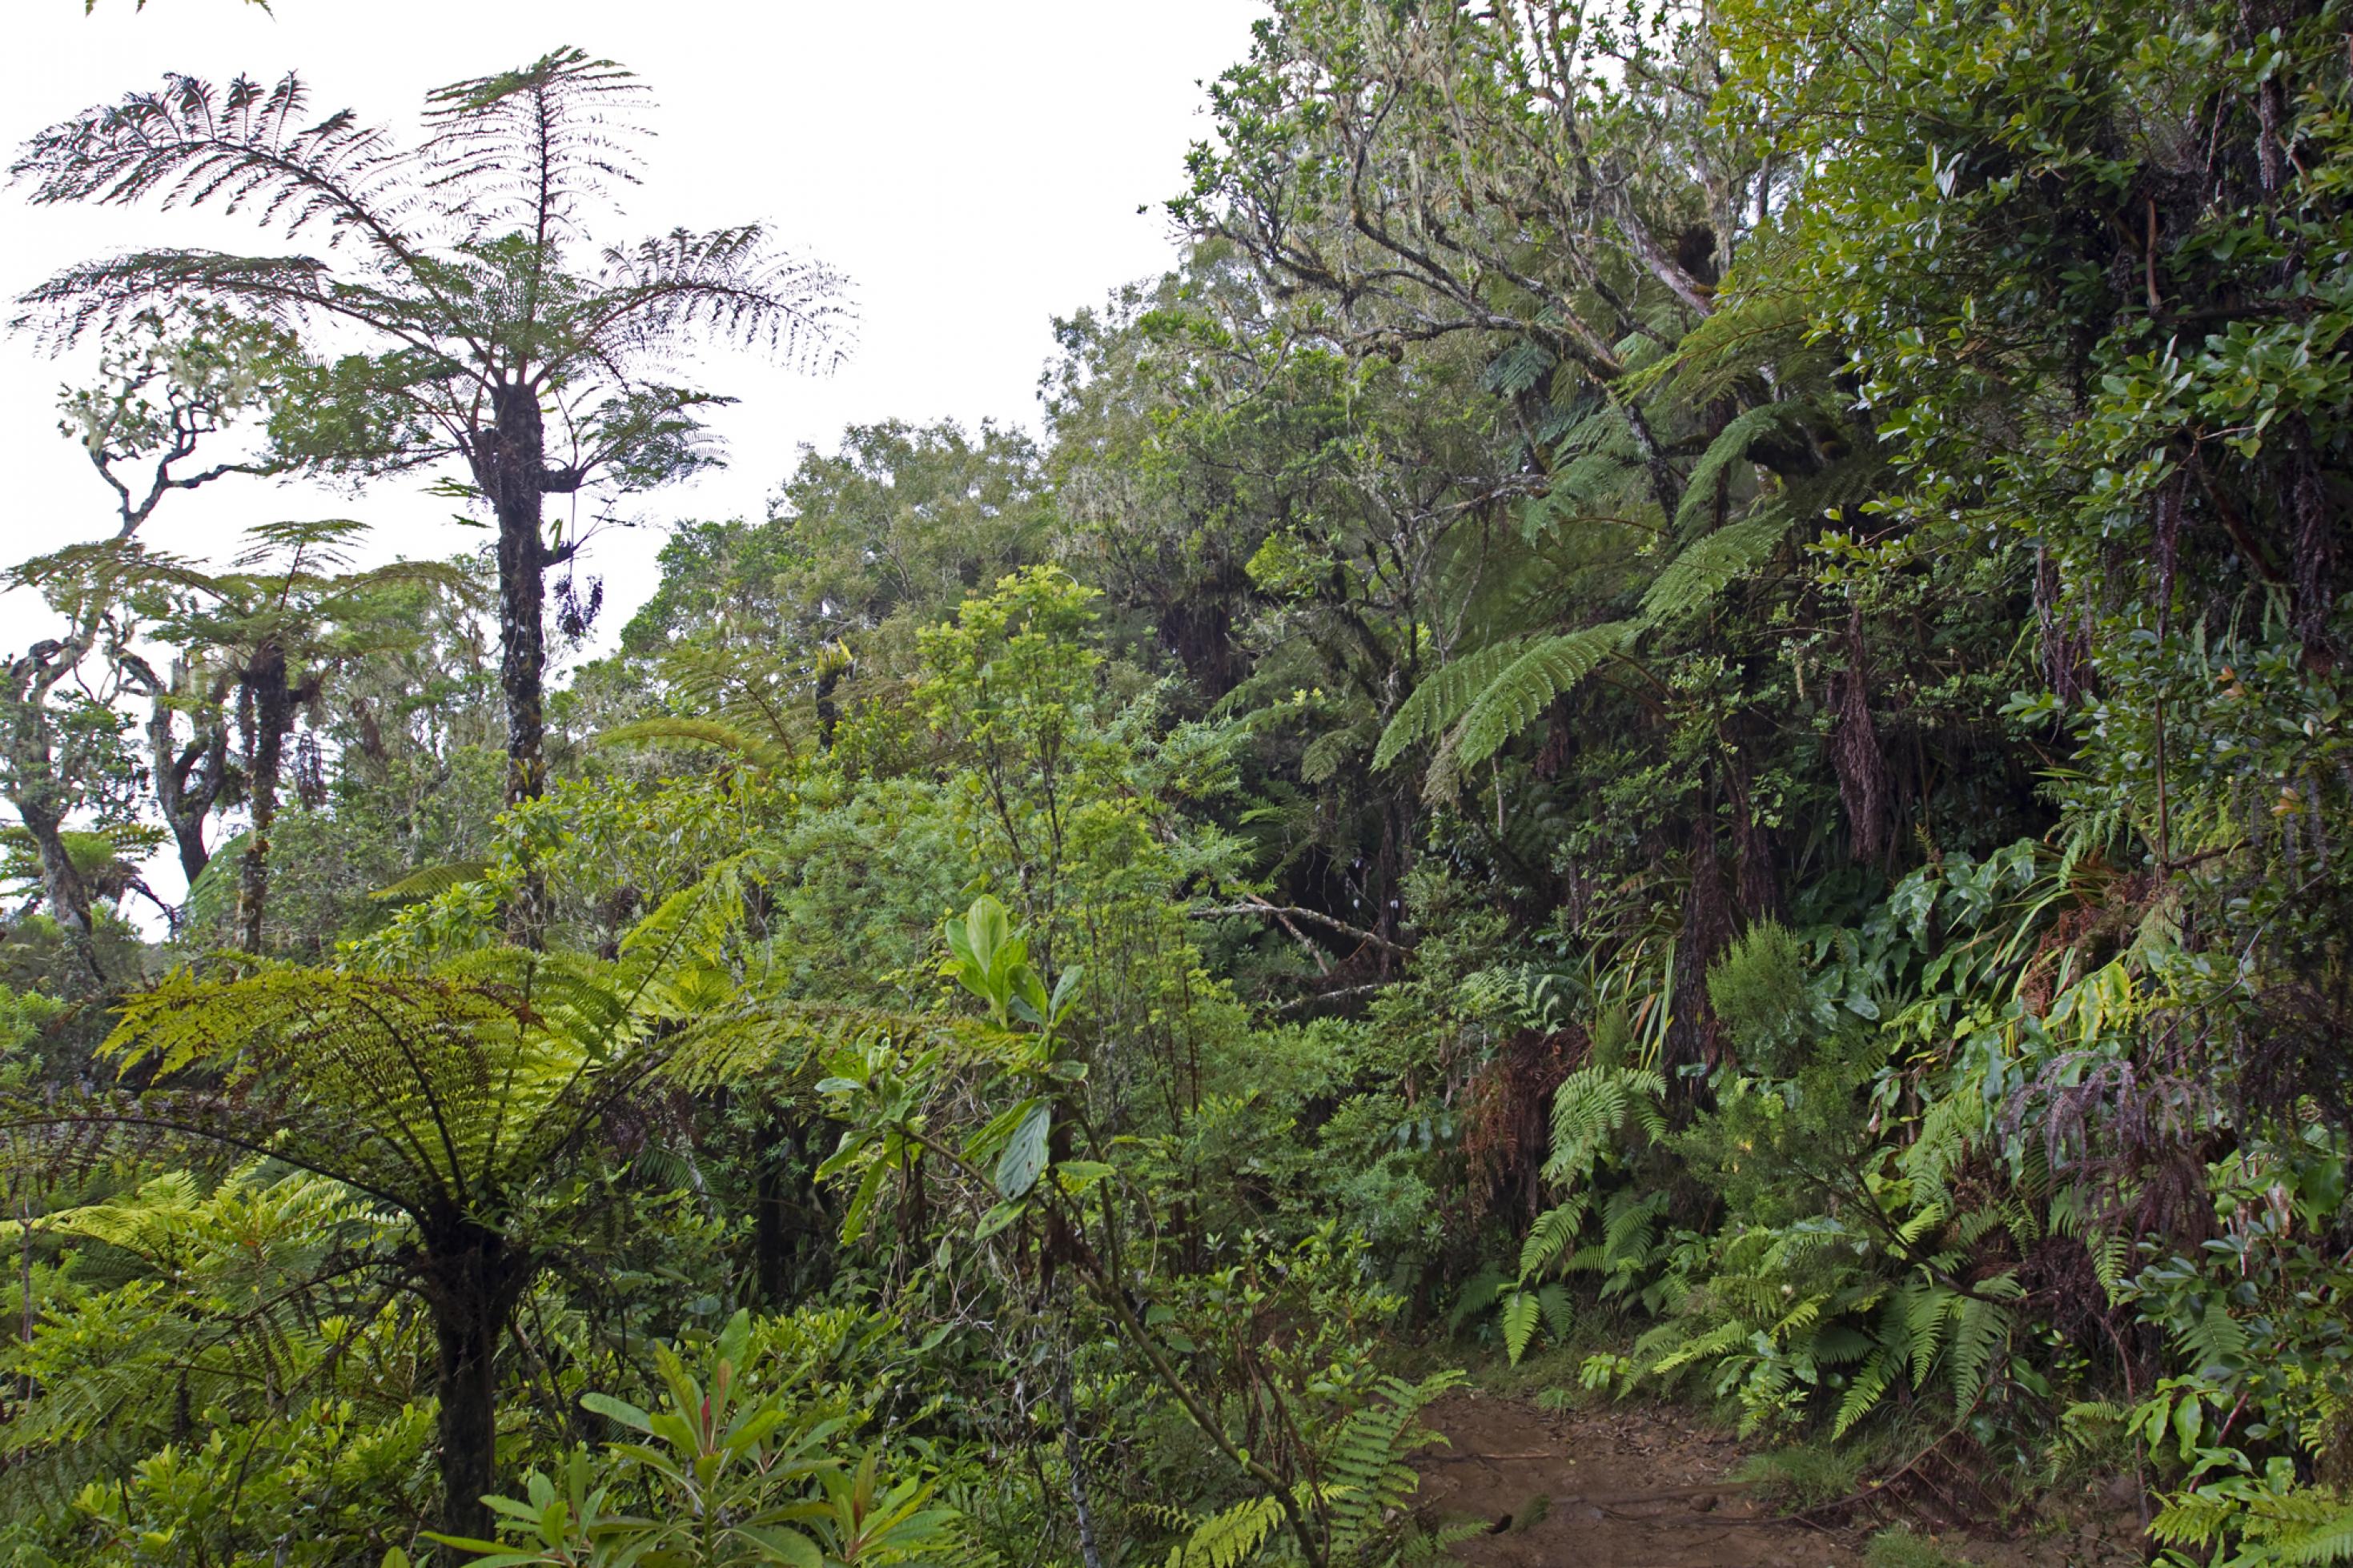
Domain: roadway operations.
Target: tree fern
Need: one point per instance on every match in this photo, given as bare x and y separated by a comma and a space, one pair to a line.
452, 1099
424, 882
1693, 580
712, 732
1523, 690
1442, 696
1730, 446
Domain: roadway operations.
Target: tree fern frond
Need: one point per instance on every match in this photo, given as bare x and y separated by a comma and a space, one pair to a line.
1523, 690
1691, 581
1435, 704
531, 144
193, 143
1519, 367
1731, 446
714, 732
426, 883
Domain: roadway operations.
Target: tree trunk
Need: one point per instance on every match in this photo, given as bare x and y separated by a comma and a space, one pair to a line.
1074, 1454
40, 796
273, 716
472, 1282
510, 467
62, 880
783, 1224
188, 779
771, 1241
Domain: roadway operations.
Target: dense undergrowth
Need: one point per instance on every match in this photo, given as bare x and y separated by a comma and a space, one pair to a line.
1676, 713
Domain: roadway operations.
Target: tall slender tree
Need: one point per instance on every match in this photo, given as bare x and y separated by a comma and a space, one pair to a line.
482, 325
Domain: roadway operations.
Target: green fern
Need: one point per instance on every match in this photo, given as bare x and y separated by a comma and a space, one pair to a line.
1361, 1502
1871, 1384
1369, 1485
1730, 446
1523, 688
1551, 1235
1229, 1538
1519, 1315
428, 881
2245, 1521
1435, 704
712, 732
1693, 580
1591, 1105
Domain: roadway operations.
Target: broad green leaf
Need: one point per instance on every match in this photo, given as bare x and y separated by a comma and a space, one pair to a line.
619, 1410
1024, 1151
782, 1545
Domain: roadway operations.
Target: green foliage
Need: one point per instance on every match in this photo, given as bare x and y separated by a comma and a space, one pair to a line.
1805, 1475
1759, 989
728, 1471
1368, 1486
1694, 578
1690, 702
1902, 1547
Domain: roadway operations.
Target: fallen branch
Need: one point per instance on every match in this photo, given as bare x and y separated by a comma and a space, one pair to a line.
1341, 994
1286, 913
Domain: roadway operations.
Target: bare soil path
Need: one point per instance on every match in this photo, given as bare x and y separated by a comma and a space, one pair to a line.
1645, 1487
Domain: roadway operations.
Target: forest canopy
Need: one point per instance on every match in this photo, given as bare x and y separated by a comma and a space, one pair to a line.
1670, 724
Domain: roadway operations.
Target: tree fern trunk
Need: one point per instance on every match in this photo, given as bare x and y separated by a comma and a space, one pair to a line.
509, 464
471, 1280
273, 716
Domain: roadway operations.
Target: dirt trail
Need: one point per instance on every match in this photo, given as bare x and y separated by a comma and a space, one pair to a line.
1642, 1487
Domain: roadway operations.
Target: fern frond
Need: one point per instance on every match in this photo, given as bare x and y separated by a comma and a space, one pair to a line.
1434, 705
1551, 1235
1980, 1332
1523, 688
1730, 446
1693, 580
1369, 1481
1521, 1313
712, 732
1228, 1539
426, 883
1592, 1103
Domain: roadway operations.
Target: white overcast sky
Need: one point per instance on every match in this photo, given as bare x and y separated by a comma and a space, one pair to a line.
975, 170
